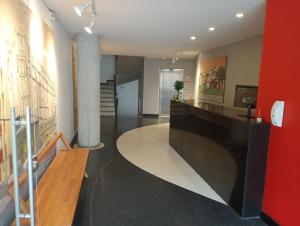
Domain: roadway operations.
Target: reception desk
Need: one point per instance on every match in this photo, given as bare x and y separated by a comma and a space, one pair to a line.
229, 151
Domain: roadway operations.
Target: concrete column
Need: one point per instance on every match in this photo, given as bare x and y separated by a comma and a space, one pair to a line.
88, 65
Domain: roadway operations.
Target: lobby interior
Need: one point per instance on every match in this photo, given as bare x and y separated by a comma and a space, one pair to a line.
149, 113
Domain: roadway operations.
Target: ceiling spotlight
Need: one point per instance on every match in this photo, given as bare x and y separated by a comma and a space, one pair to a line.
89, 29
239, 15
212, 29
79, 9
193, 38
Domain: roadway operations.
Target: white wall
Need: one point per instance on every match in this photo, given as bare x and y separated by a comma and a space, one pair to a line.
108, 68
243, 65
152, 81
64, 93
128, 99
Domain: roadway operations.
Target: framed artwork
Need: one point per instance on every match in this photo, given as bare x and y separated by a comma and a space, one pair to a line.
212, 79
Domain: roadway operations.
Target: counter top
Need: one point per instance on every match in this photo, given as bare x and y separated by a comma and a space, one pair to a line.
218, 110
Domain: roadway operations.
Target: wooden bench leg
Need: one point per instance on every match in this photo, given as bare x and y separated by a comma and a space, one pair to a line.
86, 174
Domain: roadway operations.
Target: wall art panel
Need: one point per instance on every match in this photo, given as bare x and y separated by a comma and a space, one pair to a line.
212, 79
27, 78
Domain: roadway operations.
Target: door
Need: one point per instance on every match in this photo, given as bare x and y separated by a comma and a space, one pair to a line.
167, 91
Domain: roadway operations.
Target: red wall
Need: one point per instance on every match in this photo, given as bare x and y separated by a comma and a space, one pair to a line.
280, 80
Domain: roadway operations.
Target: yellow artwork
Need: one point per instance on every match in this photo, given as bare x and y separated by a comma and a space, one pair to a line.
27, 78
212, 79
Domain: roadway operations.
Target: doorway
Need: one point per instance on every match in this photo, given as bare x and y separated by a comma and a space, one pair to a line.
167, 91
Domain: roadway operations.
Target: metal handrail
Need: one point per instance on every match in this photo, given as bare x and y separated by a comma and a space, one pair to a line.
116, 97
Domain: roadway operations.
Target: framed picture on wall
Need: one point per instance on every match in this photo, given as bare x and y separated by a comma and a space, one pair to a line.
212, 79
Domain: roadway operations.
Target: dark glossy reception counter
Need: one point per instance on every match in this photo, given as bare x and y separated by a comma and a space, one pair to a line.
227, 150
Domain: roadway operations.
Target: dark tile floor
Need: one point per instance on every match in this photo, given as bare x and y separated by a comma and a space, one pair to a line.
118, 193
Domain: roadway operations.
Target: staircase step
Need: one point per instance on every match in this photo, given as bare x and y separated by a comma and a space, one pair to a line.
107, 104
111, 95
107, 99
108, 113
107, 86
107, 108
110, 82
107, 91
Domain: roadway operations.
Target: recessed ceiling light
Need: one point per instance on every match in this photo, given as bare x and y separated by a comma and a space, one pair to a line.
212, 29
193, 38
239, 15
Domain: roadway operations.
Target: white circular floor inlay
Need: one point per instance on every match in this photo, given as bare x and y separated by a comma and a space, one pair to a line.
148, 148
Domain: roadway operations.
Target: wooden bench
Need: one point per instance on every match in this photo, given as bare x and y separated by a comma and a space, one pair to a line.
57, 191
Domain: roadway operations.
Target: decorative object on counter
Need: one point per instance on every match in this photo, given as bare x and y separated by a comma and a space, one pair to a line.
178, 85
259, 119
250, 104
212, 79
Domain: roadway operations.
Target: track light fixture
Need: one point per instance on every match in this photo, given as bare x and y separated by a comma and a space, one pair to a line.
176, 56
89, 29
80, 9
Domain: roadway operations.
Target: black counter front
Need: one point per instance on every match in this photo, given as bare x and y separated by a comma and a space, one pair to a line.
227, 150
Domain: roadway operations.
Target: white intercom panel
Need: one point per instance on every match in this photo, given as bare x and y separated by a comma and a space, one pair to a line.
277, 113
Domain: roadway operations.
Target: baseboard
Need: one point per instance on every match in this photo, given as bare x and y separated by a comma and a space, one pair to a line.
150, 115
267, 219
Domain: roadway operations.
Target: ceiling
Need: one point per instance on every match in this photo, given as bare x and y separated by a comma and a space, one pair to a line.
157, 28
